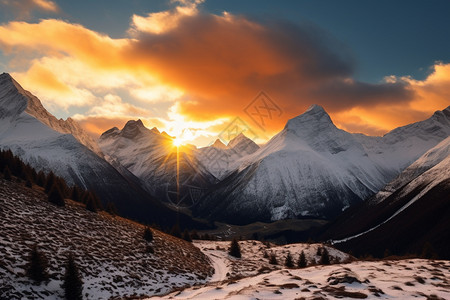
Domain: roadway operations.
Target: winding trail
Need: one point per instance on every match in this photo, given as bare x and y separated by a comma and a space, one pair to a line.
219, 260
219, 263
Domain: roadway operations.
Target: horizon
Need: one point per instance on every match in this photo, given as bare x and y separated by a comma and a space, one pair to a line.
251, 65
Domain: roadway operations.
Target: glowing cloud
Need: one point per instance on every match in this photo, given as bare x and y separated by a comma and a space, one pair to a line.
24, 8
184, 69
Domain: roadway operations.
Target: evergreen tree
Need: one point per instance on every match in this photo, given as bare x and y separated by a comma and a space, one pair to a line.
50, 182
73, 285
7, 174
111, 209
302, 260
148, 234
273, 259
56, 197
324, 258
40, 179
187, 236
37, 266
90, 205
235, 249
175, 231
97, 202
75, 194
319, 251
289, 263
194, 235
62, 186
28, 183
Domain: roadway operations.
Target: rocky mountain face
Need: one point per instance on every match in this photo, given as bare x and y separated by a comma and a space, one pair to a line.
29, 131
173, 174
312, 168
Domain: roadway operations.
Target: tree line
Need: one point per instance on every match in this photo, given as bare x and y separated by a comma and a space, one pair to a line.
56, 188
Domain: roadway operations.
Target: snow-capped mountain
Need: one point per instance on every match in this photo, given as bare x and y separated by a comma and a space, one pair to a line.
45, 148
407, 213
312, 168
220, 159
437, 159
14, 99
402, 146
152, 157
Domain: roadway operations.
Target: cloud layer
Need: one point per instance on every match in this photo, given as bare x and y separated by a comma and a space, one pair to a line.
185, 67
24, 8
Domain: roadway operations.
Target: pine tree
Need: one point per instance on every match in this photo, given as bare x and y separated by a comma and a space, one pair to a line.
75, 194
40, 179
235, 249
73, 285
324, 258
7, 174
50, 182
302, 260
194, 235
37, 266
111, 209
319, 251
273, 259
28, 183
90, 205
187, 236
175, 231
148, 234
55, 197
289, 262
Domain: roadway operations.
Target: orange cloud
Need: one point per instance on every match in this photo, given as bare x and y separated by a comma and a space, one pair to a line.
208, 69
24, 8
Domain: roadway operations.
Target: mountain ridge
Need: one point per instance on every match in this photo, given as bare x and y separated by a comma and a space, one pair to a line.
314, 168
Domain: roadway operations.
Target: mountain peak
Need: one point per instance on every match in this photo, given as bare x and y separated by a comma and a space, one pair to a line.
133, 123
218, 144
237, 140
5, 76
315, 108
311, 118
15, 100
133, 128
155, 130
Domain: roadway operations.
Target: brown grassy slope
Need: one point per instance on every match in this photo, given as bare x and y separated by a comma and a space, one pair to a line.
113, 257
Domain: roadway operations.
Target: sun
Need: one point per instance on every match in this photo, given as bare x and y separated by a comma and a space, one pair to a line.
177, 142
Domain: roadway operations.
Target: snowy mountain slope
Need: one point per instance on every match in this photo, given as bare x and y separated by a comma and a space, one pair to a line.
402, 146
152, 157
221, 159
14, 100
414, 209
47, 149
433, 157
311, 168
396, 279
112, 255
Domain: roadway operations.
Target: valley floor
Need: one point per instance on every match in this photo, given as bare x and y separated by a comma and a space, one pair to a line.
390, 279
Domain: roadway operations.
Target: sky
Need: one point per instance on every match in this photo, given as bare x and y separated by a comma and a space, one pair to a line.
202, 70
